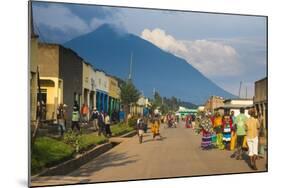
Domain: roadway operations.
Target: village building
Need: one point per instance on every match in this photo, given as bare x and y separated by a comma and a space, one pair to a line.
140, 107
33, 72
260, 98
200, 108
89, 88
114, 95
183, 111
214, 102
102, 88
235, 105
60, 78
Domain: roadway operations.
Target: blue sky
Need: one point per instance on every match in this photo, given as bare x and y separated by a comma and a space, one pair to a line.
225, 48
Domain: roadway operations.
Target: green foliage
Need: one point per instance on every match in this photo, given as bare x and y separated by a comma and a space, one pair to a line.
164, 108
120, 128
73, 139
47, 152
82, 142
129, 93
132, 121
168, 104
157, 99
89, 140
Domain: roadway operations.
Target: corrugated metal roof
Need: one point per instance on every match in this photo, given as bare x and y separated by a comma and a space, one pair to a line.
234, 106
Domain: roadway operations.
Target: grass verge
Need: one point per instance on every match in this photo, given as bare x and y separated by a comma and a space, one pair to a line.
120, 129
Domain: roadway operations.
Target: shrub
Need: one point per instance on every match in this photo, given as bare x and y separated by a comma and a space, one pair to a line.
47, 152
120, 129
73, 139
132, 121
88, 140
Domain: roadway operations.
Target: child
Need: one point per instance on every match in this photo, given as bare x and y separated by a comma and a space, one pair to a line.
227, 127
140, 129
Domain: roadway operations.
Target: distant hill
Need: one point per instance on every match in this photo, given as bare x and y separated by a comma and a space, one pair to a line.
188, 105
110, 49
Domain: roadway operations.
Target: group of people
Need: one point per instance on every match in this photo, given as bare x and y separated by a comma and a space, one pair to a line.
189, 121
171, 120
100, 121
142, 124
230, 132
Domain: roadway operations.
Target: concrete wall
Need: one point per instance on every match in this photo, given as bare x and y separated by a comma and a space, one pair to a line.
102, 81
71, 72
261, 90
87, 76
114, 90
214, 102
48, 59
89, 89
260, 99
54, 89
33, 77
241, 102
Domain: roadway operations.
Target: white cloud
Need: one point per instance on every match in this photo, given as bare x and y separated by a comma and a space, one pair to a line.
61, 18
95, 23
214, 59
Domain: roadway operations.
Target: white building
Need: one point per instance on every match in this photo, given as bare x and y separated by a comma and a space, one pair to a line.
235, 105
140, 105
89, 86
201, 108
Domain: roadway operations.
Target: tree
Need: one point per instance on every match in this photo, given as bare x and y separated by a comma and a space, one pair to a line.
157, 99
129, 95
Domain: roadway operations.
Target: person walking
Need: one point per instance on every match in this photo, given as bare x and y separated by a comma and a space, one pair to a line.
233, 133
101, 124
252, 126
61, 118
262, 135
205, 126
94, 118
155, 127
188, 121
227, 127
239, 127
107, 124
75, 117
218, 130
169, 119
84, 113
140, 129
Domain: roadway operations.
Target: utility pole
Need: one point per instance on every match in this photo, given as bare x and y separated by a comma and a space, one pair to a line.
246, 92
131, 65
240, 89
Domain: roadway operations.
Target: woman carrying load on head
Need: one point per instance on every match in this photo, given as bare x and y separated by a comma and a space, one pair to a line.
206, 128
155, 127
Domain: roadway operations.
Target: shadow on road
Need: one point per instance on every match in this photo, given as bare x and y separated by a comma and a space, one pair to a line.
156, 139
246, 158
111, 159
